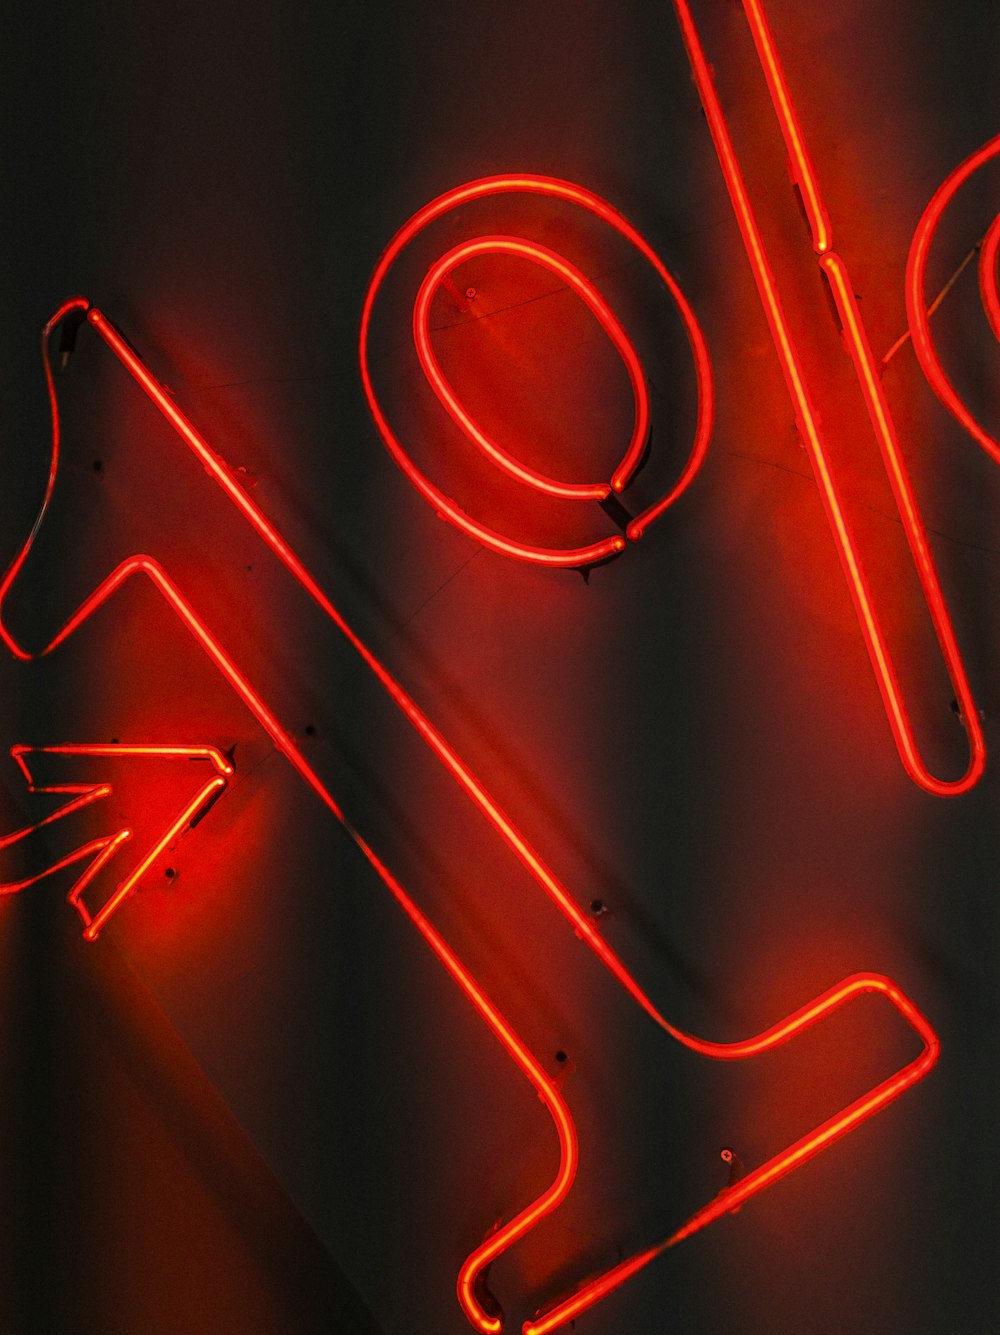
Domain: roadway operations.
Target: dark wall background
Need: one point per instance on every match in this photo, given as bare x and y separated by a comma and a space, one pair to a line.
257, 1103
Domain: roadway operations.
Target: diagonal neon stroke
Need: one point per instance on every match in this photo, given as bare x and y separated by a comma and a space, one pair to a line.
864, 364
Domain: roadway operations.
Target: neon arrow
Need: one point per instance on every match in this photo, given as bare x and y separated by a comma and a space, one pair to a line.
98, 853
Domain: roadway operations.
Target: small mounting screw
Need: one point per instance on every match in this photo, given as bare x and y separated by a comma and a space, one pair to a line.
471, 293
170, 873
737, 1168
598, 907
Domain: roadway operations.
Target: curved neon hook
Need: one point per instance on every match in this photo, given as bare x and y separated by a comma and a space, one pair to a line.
104, 849
82, 305
916, 293
588, 293
585, 199
783, 1163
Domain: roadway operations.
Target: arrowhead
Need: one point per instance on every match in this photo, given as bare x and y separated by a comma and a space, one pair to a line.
163, 811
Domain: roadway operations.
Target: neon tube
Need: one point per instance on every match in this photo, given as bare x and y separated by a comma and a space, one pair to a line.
585, 290
808, 422
582, 924
916, 535
470, 1275
783, 1163
593, 204
916, 293
470, 1279
988, 289
800, 163
66, 309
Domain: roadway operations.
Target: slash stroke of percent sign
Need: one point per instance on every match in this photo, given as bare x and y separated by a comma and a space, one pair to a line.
475, 1299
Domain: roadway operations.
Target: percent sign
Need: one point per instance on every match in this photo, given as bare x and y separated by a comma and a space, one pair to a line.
472, 1294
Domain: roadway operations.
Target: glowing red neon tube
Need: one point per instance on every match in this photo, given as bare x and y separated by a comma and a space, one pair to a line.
800, 162
916, 293
470, 1278
806, 417
554, 889
781, 1164
443, 504
585, 290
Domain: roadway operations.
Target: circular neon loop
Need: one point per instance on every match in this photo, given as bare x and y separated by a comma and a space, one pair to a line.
573, 194
916, 294
589, 295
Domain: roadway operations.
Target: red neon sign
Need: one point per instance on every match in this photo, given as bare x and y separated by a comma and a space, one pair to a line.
478, 1305
572, 194
833, 267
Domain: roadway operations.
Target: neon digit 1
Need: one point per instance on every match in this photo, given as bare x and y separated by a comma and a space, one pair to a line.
847, 1120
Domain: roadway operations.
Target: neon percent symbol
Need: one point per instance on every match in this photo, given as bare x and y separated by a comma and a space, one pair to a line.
102, 850
835, 272
479, 1306
565, 192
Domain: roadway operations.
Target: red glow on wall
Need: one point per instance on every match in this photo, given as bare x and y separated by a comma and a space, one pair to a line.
807, 418
576, 195
100, 851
